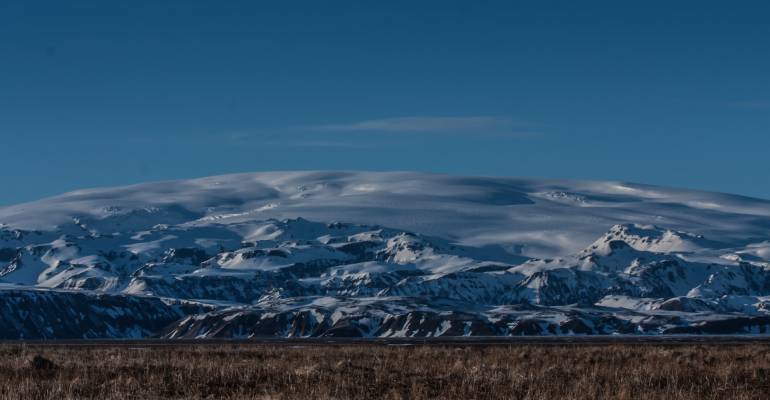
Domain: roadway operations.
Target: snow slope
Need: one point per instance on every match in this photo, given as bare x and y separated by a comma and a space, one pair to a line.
379, 254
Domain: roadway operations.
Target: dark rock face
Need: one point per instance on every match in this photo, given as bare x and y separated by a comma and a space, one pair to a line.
48, 314
728, 326
8, 254
187, 255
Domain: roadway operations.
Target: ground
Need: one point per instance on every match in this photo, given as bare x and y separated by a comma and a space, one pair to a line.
451, 370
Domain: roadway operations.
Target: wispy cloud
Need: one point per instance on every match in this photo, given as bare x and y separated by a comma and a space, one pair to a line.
368, 133
429, 124
327, 144
250, 140
237, 138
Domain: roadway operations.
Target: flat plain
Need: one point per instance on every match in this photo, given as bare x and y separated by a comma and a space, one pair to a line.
535, 369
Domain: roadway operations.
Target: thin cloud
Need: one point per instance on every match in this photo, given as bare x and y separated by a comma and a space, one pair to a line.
328, 144
247, 140
350, 135
237, 138
426, 124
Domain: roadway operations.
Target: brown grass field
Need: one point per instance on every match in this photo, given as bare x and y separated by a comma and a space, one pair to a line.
364, 371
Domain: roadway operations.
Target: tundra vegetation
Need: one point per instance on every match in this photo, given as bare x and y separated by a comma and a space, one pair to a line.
360, 371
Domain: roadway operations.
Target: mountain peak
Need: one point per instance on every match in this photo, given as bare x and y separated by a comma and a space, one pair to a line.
654, 239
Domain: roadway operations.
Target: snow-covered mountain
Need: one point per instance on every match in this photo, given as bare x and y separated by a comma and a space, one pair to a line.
383, 254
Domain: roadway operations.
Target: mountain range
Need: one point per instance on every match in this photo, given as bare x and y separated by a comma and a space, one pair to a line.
383, 254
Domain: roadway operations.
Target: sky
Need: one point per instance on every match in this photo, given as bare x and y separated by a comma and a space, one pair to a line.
104, 93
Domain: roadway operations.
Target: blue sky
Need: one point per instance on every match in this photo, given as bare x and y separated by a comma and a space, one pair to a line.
102, 93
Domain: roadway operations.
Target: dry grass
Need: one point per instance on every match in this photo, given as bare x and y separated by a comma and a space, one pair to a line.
247, 371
